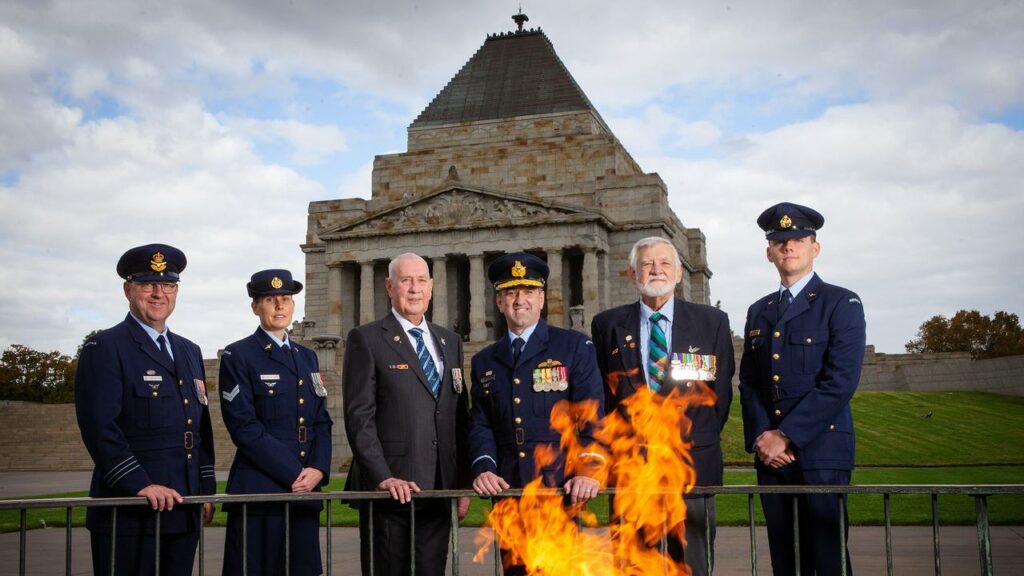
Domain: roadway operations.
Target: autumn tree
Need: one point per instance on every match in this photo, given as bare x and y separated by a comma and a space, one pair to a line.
971, 331
33, 376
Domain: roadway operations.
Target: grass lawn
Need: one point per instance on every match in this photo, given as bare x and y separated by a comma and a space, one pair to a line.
897, 443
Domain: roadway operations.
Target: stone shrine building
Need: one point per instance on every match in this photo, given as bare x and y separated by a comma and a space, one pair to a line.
511, 155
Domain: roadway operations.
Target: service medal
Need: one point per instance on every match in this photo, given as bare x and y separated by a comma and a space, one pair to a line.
457, 380
201, 392
318, 384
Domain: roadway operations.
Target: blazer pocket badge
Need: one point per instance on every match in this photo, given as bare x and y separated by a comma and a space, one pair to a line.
398, 366
457, 380
318, 384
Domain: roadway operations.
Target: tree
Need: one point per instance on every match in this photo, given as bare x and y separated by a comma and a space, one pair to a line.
970, 331
33, 376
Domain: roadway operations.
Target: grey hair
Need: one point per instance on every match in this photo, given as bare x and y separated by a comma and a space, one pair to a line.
406, 256
649, 241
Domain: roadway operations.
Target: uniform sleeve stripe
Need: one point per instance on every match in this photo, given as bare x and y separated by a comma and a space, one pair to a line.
479, 458
117, 469
123, 474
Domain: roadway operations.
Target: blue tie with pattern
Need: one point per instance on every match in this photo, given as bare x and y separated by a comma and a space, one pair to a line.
433, 378
657, 351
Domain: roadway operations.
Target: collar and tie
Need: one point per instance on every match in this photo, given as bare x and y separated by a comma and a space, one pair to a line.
426, 362
164, 349
517, 350
657, 352
784, 301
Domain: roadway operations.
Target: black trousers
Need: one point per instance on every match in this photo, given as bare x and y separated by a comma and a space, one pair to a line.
390, 537
136, 553
819, 522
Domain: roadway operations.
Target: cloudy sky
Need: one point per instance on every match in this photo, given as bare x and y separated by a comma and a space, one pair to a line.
212, 125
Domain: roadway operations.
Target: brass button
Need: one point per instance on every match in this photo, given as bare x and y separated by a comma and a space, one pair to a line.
302, 454
302, 400
808, 340
189, 421
180, 382
831, 426
518, 420
516, 400
302, 419
778, 412
689, 384
300, 381
155, 393
777, 334
271, 391
522, 454
775, 378
775, 356
188, 456
515, 380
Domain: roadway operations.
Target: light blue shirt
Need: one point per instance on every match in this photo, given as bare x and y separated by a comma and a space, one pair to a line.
797, 286
428, 340
525, 336
667, 310
154, 334
280, 343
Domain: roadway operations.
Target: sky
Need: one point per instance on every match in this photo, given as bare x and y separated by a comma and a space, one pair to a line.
211, 126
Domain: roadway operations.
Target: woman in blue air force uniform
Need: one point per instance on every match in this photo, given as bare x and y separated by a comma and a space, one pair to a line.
275, 406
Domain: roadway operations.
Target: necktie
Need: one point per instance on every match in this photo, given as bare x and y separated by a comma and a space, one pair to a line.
426, 362
657, 350
517, 348
163, 348
784, 302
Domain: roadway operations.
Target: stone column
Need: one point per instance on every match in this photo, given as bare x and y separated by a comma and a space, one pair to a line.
366, 296
477, 291
334, 324
556, 304
591, 289
440, 297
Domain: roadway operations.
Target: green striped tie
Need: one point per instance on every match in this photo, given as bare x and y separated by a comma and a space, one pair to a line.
657, 351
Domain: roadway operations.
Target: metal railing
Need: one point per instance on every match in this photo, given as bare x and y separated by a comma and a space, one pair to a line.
980, 493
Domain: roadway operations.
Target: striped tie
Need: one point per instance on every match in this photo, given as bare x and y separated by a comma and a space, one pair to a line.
426, 362
657, 351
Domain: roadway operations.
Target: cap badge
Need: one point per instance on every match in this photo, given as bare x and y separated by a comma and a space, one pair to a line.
157, 263
276, 282
518, 270
785, 221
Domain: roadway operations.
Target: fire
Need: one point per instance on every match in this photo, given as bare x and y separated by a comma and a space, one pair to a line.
650, 466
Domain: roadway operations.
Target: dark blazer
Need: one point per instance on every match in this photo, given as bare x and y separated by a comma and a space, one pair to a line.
144, 422
261, 387
510, 418
816, 351
696, 328
395, 426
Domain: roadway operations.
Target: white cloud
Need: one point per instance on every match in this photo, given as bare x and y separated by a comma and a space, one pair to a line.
310, 143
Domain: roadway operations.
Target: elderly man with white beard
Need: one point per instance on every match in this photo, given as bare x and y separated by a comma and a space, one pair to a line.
647, 344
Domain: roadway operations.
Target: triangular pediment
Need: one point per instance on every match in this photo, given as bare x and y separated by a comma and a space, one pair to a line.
456, 206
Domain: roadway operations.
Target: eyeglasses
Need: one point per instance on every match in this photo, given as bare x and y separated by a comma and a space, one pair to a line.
165, 287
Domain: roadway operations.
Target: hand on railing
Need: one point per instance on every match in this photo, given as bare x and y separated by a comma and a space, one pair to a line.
581, 488
401, 490
489, 484
161, 497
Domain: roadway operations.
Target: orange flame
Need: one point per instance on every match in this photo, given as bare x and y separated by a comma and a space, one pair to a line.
649, 463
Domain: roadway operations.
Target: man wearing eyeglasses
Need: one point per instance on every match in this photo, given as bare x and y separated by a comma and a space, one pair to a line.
140, 397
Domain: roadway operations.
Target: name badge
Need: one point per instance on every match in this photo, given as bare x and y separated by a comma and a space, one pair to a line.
266, 377
152, 378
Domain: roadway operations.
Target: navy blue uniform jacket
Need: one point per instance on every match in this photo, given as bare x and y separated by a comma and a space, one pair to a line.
395, 425
695, 327
274, 415
799, 372
143, 423
509, 419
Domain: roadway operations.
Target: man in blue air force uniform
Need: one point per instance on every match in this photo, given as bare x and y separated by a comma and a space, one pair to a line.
636, 344
140, 398
274, 405
802, 354
516, 382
